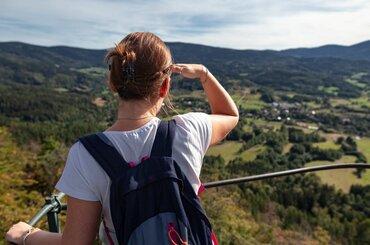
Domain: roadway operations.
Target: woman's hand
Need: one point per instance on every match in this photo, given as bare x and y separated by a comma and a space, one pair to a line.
17, 232
190, 70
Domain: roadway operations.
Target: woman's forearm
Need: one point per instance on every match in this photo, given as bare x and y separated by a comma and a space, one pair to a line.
218, 98
44, 238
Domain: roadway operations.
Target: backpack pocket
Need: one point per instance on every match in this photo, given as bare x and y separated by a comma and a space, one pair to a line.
162, 229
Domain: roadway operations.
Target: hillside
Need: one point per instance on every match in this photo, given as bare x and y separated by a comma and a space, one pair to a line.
72, 74
265, 68
295, 112
360, 51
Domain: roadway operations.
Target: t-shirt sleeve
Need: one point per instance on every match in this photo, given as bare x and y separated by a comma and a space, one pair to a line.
199, 126
74, 181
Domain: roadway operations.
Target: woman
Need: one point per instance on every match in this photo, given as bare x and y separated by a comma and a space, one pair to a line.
140, 69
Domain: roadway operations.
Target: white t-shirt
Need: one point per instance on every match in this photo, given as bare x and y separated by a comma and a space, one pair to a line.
84, 179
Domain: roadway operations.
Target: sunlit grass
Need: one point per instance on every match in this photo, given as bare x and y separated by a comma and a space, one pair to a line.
341, 178
363, 146
329, 90
250, 121
337, 101
250, 101
228, 150
251, 154
328, 144
355, 103
61, 90
355, 82
359, 75
360, 102
287, 148
313, 105
274, 125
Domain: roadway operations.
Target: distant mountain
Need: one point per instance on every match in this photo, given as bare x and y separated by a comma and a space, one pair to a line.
299, 70
78, 57
59, 55
190, 52
360, 51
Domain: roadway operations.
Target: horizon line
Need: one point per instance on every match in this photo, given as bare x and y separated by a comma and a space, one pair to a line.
189, 43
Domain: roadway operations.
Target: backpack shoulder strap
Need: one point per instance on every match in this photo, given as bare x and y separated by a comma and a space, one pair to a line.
103, 151
162, 145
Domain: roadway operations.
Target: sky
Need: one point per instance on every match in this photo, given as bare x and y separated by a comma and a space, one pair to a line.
242, 24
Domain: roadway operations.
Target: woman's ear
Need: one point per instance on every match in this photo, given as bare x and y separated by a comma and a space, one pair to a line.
111, 87
165, 87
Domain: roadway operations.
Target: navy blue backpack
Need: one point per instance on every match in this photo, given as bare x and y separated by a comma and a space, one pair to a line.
153, 202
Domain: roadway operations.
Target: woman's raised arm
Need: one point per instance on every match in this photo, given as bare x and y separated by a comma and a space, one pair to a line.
225, 115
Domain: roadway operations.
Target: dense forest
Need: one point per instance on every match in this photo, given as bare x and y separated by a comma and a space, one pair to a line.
296, 110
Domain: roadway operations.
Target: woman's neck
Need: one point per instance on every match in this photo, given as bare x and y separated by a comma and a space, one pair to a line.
134, 114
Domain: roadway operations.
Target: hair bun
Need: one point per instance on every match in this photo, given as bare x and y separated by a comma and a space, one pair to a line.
138, 66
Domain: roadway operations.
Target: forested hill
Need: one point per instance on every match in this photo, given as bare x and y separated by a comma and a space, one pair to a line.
50, 78
360, 51
30, 64
185, 51
294, 112
22, 53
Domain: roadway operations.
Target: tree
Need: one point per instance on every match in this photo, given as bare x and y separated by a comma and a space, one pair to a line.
363, 232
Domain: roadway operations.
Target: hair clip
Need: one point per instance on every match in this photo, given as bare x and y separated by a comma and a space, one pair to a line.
110, 64
129, 71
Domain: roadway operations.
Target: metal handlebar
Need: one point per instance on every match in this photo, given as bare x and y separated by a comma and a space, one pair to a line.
52, 208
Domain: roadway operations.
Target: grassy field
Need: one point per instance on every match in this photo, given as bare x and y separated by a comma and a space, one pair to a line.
248, 121
313, 105
363, 145
227, 150
356, 103
250, 101
274, 125
332, 136
340, 178
356, 83
329, 90
260, 123
358, 75
328, 144
337, 101
354, 79
360, 102
251, 154
61, 90
287, 148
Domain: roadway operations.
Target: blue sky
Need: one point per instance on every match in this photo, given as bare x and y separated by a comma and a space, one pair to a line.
242, 24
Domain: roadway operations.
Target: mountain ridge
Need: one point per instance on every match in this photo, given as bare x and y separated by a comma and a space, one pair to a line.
63, 66
358, 51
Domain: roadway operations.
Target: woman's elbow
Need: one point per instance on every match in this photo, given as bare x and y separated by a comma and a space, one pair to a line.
235, 120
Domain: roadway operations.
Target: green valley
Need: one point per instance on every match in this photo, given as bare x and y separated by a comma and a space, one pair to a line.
294, 112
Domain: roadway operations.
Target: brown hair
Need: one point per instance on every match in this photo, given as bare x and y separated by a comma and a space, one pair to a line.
139, 65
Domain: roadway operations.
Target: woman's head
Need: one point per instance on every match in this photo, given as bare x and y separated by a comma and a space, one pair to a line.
139, 65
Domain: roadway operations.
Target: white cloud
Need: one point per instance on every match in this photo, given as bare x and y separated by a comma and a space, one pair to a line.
252, 24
